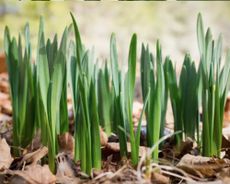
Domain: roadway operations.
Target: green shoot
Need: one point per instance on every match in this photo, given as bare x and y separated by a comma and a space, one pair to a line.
50, 76
22, 86
185, 110
155, 82
104, 98
130, 84
83, 82
118, 111
215, 85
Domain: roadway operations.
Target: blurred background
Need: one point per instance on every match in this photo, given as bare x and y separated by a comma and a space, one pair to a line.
173, 23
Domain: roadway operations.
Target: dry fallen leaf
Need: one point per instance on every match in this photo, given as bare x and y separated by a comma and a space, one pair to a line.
4, 76
159, 178
5, 156
203, 167
126, 174
3, 97
35, 144
4, 86
65, 166
29, 158
224, 175
33, 174
66, 141
6, 108
5, 123
35, 156
185, 147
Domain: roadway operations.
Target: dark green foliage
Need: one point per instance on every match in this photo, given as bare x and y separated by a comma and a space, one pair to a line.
184, 98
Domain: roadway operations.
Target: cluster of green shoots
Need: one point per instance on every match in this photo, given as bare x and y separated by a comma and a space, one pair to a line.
38, 89
214, 79
103, 94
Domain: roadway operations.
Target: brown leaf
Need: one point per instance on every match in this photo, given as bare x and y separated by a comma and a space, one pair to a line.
5, 123
185, 147
126, 174
29, 158
224, 175
66, 142
3, 97
203, 167
5, 156
33, 174
6, 128
4, 76
65, 166
159, 178
35, 156
4, 86
6, 108
35, 144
